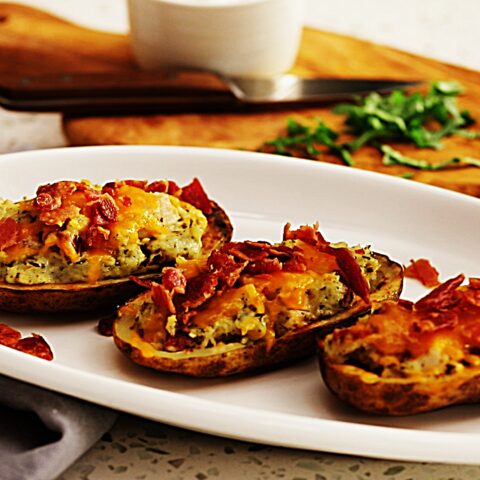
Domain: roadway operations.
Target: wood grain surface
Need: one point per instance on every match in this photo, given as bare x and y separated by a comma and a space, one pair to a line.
35, 43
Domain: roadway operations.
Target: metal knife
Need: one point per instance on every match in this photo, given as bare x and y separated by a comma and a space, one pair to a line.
176, 91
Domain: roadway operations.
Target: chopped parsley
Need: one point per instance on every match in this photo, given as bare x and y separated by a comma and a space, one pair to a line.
413, 118
421, 119
394, 157
308, 139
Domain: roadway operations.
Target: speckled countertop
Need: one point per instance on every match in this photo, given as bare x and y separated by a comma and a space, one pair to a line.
143, 450
137, 449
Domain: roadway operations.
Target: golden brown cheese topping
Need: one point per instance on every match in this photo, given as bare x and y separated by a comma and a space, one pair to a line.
76, 231
438, 333
249, 291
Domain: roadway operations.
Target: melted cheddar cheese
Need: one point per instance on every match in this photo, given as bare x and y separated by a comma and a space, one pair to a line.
263, 306
399, 342
89, 235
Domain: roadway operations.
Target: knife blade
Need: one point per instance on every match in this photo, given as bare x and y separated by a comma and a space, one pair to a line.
175, 91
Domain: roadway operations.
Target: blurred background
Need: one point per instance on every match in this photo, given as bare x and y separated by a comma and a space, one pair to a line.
443, 29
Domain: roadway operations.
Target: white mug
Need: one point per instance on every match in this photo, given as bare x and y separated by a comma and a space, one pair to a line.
233, 37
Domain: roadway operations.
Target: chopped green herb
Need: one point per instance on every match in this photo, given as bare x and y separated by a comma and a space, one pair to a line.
421, 119
415, 118
470, 134
309, 139
394, 157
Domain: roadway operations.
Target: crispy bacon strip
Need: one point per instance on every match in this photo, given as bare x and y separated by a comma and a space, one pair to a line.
196, 196
110, 187
423, 271
143, 282
9, 233
174, 280
46, 202
472, 294
163, 186
351, 272
8, 335
96, 236
179, 343
163, 298
296, 263
105, 325
34, 345
160, 295
444, 296
199, 290
249, 251
226, 267
104, 210
267, 265
437, 320
306, 233
407, 304
136, 183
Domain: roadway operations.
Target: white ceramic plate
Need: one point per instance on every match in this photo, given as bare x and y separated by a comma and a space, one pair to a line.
289, 407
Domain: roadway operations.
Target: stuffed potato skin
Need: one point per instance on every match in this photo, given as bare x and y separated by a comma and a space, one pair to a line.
97, 293
233, 357
408, 359
399, 397
219, 361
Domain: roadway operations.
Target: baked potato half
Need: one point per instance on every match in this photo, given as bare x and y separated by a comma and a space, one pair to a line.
252, 304
409, 358
74, 245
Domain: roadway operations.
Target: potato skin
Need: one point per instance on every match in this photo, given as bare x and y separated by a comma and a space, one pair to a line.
399, 396
291, 347
221, 364
406, 361
106, 294
68, 297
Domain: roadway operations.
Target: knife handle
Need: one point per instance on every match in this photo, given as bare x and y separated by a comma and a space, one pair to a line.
172, 90
133, 81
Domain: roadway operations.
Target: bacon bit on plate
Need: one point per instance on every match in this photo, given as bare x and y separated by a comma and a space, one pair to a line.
34, 345
105, 325
423, 271
8, 335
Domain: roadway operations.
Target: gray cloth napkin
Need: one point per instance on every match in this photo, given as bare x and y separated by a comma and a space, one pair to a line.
42, 433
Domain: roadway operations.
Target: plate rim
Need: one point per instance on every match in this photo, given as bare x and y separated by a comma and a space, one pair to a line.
413, 450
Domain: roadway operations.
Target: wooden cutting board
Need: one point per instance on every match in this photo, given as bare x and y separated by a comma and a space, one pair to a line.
33, 42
